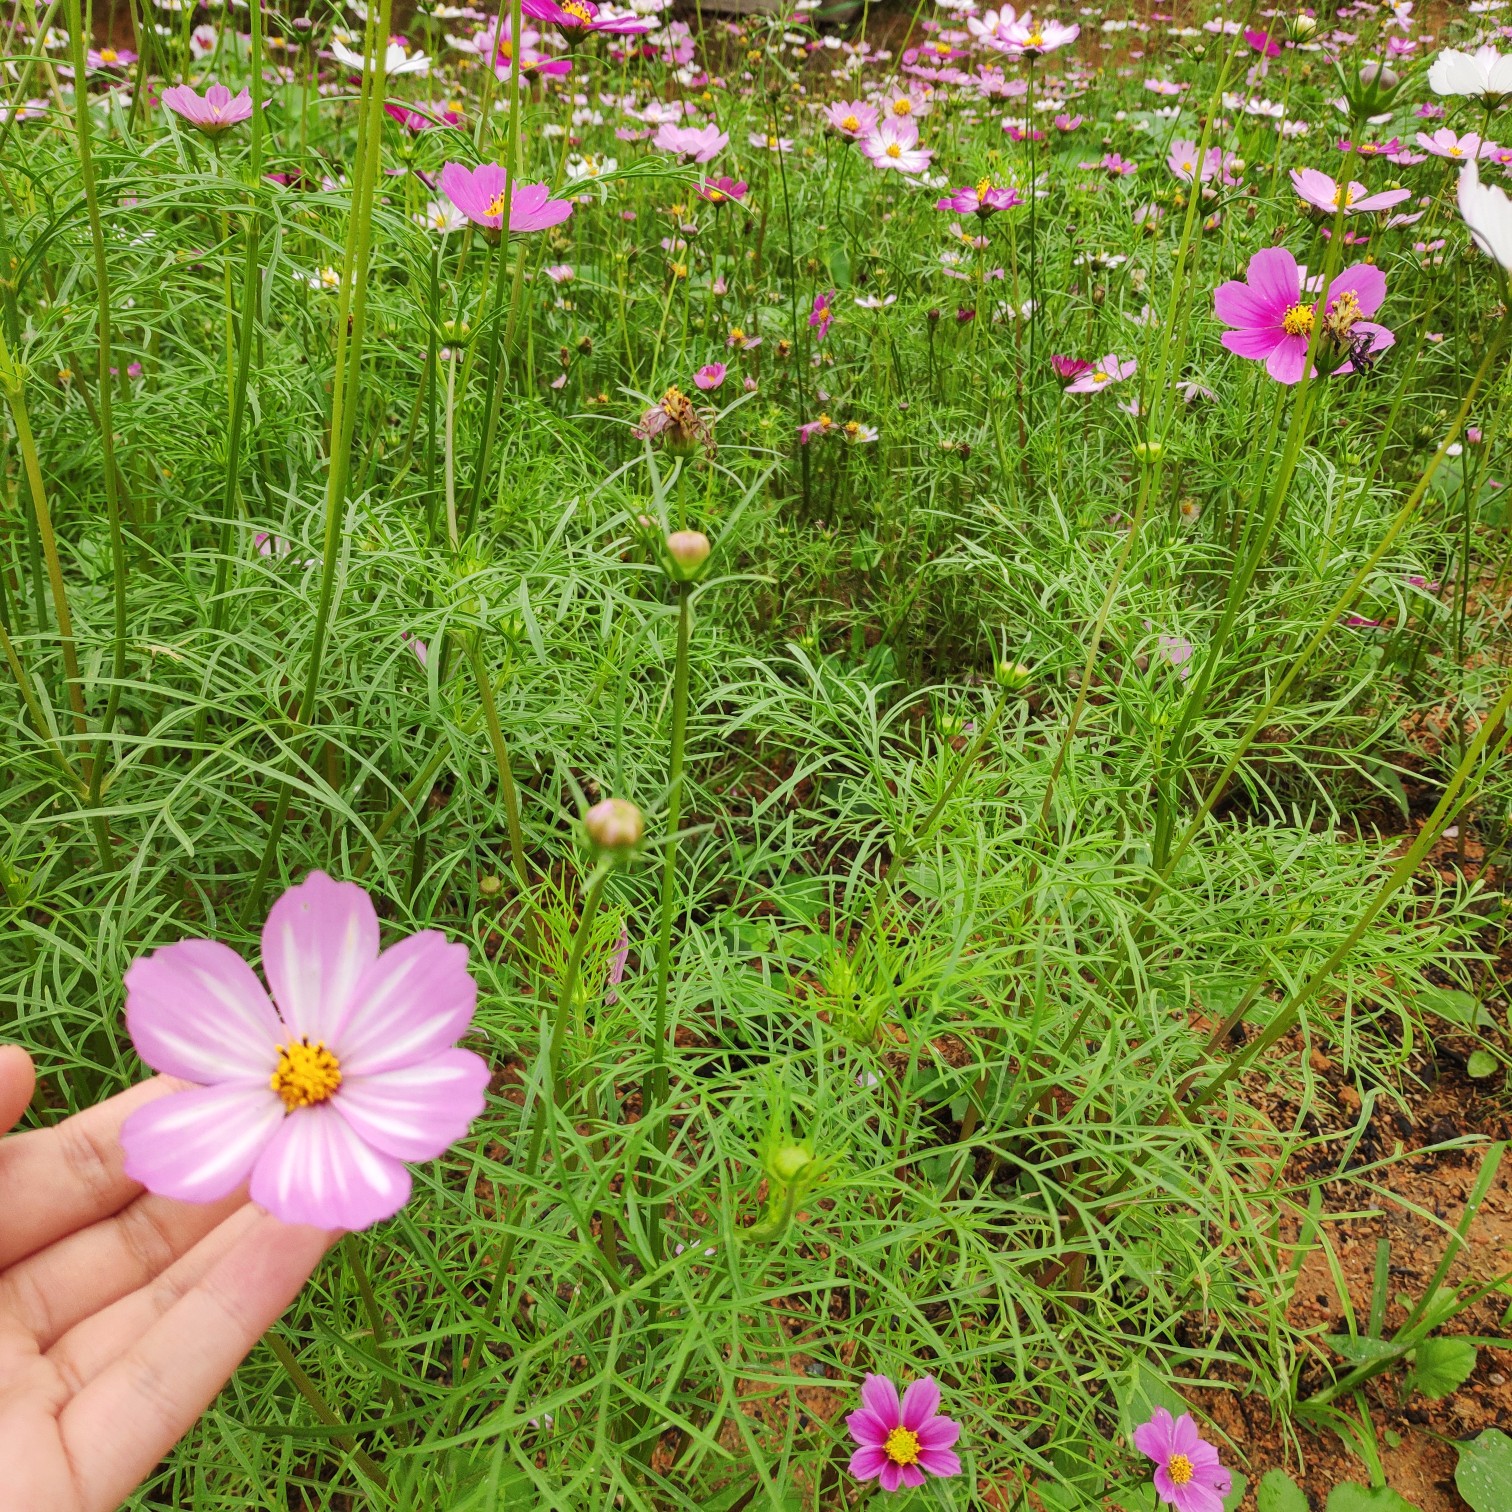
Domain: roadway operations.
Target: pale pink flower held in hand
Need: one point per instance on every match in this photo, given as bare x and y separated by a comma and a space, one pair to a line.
1187, 1473
322, 1099
217, 110
897, 1442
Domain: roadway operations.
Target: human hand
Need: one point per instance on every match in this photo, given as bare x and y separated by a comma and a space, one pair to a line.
121, 1314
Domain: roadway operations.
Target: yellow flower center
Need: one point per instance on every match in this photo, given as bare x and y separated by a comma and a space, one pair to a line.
983, 187
1456, 152
1189, 167
108, 55
772, 143
1179, 1468
902, 1447
903, 107
1298, 321
496, 206
307, 1074
894, 150
578, 9
851, 123
1101, 377
1343, 197
852, 428
737, 336
1035, 39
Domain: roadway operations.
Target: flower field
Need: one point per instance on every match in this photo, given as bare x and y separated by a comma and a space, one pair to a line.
797, 718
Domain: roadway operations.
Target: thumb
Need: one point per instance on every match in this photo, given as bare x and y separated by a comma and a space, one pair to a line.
17, 1079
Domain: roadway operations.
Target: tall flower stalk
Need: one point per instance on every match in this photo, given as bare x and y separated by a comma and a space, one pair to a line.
351, 318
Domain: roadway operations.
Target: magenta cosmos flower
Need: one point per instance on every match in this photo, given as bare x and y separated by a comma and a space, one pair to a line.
710, 375
822, 316
1187, 1473
981, 198
1102, 374
897, 1442
583, 16
1273, 322
216, 110
698, 143
322, 1099
1317, 189
724, 188
479, 194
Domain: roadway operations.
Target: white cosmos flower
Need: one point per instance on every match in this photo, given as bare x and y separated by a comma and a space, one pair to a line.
1483, 72
397, 59
1488, 214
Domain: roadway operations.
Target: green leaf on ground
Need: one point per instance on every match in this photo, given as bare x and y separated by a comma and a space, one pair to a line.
1359, 1351
1480, 1064
1278, 1492
1441, 1366
1484, 1472
1352, 1498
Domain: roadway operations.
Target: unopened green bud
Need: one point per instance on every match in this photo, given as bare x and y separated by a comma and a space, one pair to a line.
1300, 28
1148, 451
789, 1160
615, 824
687, 551
1012, 677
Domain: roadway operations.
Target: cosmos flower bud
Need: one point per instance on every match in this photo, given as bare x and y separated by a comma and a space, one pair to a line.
687, 551
1301, 28
1012, 677
1148, 451
788, 1160
614, 824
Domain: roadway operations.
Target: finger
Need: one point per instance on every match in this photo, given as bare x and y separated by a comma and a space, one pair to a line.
18, 1079
100, 1340
127, 1418
53, 1288
53, 1181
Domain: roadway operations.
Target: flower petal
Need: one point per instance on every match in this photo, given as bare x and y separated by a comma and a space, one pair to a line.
196, 1010
867, 1462
890, 1475
1236, 304
940, 1461
318, 1170
939, 1432
1184, 1435
879, 1394
320, 937
415, 1112
1366, 282
866, 1427
1153, 1439
1257, 344
1287, 359
912, 1475
1274, 277
412, 1002
199, 1145
920, 1401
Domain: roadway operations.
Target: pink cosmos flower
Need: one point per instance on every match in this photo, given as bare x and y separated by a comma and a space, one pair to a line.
583, 16
1318, 189
696, 143
852, 118
1262, 43
1187, 1473
1067, 122
981, 198
717, 191
823, 314
322, 1099
212, 113
479, 194
1446, 144
710, 375
1069, 367
897, 1442
1028, 38
1102, 373
894, 143
1273, 322
110, 57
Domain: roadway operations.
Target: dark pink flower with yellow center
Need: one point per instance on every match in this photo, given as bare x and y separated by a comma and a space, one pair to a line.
479, 193
319, 1095
1187, 1475
1273, 318
583, 16
982, 198
899, 1442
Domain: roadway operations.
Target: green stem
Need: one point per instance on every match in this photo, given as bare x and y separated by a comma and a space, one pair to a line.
654, 1090
351, 314
322, 1409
